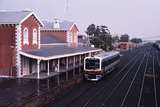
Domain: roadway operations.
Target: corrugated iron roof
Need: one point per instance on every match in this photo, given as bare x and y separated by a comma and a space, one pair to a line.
47, 39
15, 17
63, 25
58, 51
12, 17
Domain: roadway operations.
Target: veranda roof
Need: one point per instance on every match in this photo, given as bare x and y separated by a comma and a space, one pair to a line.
57, 52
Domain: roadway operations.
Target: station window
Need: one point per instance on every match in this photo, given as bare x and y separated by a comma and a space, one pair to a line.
25, 36
35, 36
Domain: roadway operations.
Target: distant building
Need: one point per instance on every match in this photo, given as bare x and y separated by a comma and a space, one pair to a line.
65, 31
124, 42
30, 47
124, 38
83, 40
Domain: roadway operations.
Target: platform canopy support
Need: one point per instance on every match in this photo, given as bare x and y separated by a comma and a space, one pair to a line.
38, 68
48, 68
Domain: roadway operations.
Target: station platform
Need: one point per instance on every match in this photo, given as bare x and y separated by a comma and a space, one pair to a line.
44, 75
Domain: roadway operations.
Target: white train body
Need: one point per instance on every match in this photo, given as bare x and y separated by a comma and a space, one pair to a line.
97, 66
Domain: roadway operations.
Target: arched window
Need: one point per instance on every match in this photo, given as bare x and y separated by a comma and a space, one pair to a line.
25, 36
35, 36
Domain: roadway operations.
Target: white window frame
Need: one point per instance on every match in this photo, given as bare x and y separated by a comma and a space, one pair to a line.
25, 36
35, 36
71, 35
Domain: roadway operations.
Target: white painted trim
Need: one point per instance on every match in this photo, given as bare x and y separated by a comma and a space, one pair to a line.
18, 48
99, 69
31, 13
35, 36
74, 61
24, 36
67, 63
30, 56
38, 68
18, 37
48, 68
67, 36
73, 26
56, 56
68, 39
39, 37
58, 66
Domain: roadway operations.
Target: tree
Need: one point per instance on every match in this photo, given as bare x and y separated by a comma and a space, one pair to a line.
91, 29
124, 38
136, 40
99, 36
115, 39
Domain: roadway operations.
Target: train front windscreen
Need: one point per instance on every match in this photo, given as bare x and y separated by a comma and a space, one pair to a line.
92, 64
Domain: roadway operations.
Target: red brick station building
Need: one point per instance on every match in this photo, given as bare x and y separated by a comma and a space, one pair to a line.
29, 46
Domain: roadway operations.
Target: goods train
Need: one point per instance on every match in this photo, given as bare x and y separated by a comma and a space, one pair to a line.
95, 67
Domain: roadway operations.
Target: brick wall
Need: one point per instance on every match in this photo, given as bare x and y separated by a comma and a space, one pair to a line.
30, 24
58, 34
7, 49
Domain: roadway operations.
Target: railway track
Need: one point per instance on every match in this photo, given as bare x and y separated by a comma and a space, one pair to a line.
125, 88
148, 92
112, 89
118, 90
157, 79
132, 95
85, 101
84, 88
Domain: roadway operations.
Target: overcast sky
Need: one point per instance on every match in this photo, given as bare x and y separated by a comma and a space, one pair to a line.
138, 18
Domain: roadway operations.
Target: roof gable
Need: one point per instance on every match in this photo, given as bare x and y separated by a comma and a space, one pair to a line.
74, 25
16, 17
63, 26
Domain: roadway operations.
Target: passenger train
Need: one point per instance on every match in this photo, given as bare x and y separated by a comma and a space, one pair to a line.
95, 67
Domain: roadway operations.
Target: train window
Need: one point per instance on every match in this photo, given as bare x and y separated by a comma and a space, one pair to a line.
106, 62
92, 63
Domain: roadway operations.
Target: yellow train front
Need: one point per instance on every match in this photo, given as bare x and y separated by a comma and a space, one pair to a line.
96, 67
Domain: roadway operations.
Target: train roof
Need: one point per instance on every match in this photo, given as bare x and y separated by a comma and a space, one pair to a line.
107, 54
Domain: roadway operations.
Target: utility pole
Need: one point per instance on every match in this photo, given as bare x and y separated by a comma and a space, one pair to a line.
67, 5
66, 9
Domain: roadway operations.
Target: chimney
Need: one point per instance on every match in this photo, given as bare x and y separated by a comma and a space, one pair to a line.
56, 23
